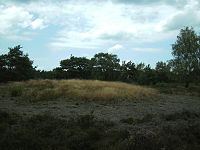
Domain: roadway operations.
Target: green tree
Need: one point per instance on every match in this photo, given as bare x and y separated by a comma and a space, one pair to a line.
162, 72
146, 75
128, 71
3, 68
15, 65
105, 66
76, 67
186, 52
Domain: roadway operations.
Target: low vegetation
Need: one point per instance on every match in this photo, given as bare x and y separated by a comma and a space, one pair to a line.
45, 132
37, 90
178, 89
146, 118
184, 115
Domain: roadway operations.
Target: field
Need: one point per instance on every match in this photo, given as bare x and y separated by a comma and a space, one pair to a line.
40, 90
90, 115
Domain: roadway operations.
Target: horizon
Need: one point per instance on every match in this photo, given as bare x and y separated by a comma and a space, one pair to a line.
138, 31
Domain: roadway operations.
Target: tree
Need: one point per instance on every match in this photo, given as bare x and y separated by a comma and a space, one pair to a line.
128, 71
105, 66
146, 75
76, 67
186, 52
15, 66
162, 72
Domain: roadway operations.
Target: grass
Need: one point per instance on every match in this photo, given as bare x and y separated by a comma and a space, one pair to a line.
37, 90
45, 132
179, 89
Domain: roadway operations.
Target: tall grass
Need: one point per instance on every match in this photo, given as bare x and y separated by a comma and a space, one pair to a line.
81, 89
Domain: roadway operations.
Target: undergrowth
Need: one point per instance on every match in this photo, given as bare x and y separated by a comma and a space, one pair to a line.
178, 89
44, 132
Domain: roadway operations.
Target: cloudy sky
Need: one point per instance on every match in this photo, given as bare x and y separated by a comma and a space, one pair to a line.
136, 30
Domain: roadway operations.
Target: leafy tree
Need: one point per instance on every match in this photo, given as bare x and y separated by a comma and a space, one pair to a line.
128, 71
162, 72
42, 74
105, 66
3, 68
186, 52
76, 67
15, 65
146, 76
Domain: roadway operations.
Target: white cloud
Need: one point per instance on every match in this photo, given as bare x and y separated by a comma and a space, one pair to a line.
188, 16
13, 19
147, 49
38, 24
95, 24
115, 48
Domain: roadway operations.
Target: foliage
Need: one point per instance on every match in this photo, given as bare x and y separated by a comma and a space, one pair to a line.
184, 115
163, 73
76, 67
178, 89
146, 76
144, 119
186, 52
45, 132
105, 66
15, 66
185, 67
16, 91
128, 71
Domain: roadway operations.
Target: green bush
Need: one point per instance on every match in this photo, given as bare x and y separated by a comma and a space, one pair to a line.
16, 91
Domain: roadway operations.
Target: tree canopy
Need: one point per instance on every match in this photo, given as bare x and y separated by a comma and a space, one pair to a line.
184, 67
186, 52
15, 65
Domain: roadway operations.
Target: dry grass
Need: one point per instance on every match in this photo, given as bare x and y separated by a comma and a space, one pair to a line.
36, 90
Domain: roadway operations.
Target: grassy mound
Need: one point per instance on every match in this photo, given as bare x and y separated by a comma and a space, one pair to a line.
36, 90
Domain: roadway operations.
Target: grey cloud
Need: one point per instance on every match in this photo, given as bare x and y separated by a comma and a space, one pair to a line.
189, 18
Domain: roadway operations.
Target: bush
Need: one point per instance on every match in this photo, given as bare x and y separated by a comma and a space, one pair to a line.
184, 115
16, 91
45, 132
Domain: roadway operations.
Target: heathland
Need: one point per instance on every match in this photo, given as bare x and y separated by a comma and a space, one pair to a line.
87, 114
102, 103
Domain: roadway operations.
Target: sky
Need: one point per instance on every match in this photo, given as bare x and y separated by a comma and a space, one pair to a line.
135, 30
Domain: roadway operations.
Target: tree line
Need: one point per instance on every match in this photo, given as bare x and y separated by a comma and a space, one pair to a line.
184, 67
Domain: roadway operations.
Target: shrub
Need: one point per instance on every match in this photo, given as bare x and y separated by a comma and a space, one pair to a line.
184, 115
87, 133
16, 91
